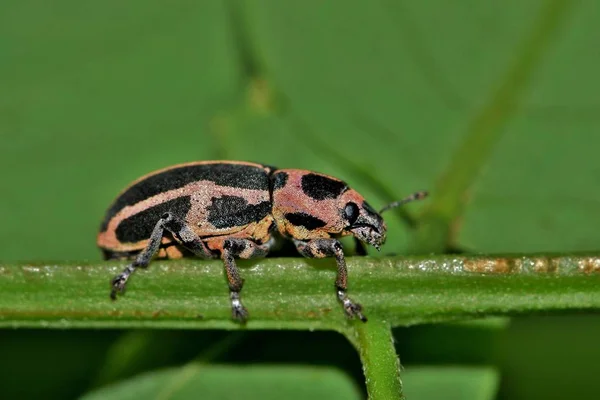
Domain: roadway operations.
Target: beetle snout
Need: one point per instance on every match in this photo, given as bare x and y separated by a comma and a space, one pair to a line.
371, 229
375, 236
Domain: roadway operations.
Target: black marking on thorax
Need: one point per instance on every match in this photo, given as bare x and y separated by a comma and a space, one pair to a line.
305, 220
369, 208
223, 174
372, 212
231, 211
278, 180
139, 226
321, 187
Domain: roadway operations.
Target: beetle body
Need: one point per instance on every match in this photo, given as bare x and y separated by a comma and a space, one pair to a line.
217, 199
230, 209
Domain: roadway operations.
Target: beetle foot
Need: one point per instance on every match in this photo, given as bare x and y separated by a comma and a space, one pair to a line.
238, 311
351, 308
118, 285
239, 314
354, 310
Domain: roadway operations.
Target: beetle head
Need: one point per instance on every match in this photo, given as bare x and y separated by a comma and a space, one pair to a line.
364, 222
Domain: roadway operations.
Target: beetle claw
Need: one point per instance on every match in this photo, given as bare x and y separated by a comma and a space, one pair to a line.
118, 285
351, 308
354, 310
239, 313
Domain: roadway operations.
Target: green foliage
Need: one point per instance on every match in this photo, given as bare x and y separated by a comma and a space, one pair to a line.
490, 105
452, 383
227, 382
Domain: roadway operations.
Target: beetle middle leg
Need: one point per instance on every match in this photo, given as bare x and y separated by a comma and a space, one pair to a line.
182, 233
241, 248
320, 248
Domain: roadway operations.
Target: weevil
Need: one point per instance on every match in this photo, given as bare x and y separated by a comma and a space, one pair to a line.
235, 209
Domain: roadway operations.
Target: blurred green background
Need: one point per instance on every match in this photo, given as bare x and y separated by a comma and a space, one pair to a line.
490, 105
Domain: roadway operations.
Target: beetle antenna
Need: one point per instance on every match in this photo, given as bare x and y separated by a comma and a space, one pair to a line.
408, 199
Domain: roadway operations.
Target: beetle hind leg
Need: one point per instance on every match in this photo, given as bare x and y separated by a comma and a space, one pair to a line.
142, 260
240, 248
180, 230
320, 248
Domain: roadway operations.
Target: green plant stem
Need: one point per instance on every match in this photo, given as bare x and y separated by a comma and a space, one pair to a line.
381, 365
295, 293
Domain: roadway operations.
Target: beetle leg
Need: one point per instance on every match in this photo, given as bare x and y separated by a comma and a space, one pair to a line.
142, 260
180, 230
320, 248
241, 248
184, 234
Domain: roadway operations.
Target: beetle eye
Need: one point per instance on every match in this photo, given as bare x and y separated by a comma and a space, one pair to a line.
351, 212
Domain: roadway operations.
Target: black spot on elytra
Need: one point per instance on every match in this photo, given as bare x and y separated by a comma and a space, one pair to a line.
232, 175
305, 220
230, 211
279, 180
140, 226
321, 187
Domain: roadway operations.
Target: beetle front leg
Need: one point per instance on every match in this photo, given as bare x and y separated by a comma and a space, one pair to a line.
320, 248
241, 248
181, 232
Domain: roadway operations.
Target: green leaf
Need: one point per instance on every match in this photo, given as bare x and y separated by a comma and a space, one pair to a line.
229, 382
451, 383
479, 118
139, 350
63, 362
487, 119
